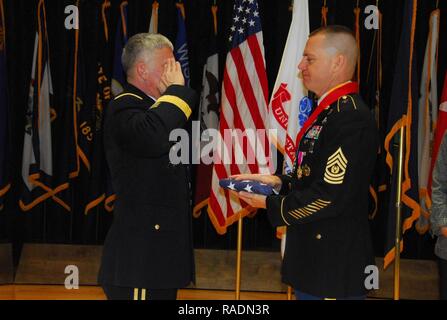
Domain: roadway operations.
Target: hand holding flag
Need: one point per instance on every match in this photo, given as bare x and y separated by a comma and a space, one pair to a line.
250, 186
252, 199
268, 179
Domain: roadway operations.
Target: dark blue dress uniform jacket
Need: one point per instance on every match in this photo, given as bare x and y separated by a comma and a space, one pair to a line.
324, 203
149, 244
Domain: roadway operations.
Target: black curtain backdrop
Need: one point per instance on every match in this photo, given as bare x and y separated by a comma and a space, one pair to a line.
49, 223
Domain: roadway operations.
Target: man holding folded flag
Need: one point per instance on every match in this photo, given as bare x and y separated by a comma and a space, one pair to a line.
324, 201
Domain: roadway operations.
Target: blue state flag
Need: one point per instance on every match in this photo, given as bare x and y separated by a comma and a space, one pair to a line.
181, 45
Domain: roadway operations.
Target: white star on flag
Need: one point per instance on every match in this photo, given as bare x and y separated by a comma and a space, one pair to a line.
248, 188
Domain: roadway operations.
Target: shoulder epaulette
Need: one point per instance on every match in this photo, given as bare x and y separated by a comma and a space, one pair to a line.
346, 102
125, 94
176, 101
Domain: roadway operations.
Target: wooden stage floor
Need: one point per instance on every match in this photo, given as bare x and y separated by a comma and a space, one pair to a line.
58, 292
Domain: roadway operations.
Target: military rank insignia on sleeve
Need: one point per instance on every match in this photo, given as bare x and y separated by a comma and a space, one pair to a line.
336, 168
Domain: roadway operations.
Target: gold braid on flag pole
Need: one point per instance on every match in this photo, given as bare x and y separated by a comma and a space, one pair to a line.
181, 6
403, 178
324, 11
214, 12
75, 173
406, 185
105, 6
397, 243
123, 18
155, 6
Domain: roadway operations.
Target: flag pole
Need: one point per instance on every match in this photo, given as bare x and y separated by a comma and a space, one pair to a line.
398, 215
289, 293
239, 258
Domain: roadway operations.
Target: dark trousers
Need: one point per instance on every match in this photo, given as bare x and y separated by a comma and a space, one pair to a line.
442, 264
124, 293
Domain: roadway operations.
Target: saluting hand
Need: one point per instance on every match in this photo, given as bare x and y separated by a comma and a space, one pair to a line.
172, 74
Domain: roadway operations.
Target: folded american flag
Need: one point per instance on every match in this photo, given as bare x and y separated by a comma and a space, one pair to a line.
251, 186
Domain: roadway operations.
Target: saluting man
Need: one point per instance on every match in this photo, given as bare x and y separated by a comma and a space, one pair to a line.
324, 202
148, 252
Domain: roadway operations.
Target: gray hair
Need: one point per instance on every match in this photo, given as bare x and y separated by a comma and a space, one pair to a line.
142, 42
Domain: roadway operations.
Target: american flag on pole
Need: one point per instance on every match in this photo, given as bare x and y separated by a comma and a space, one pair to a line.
243, 108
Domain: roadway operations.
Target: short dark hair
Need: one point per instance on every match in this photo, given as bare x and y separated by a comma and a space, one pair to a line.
332, 30
342, 39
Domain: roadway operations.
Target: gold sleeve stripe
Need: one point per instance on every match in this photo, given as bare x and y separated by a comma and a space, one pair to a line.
313, 207
318, 205
178, 102
302, 213
295, 215
305, 214
308, 210
323, 205
128, 94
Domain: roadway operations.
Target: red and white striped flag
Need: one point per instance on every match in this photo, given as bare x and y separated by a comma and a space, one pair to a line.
243, 108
